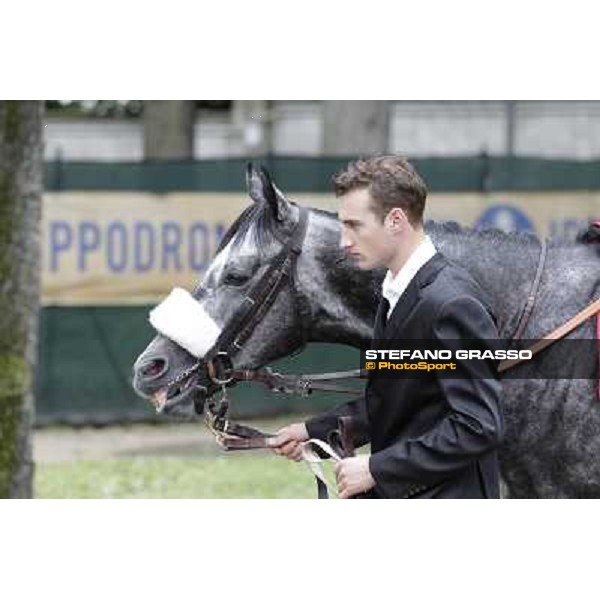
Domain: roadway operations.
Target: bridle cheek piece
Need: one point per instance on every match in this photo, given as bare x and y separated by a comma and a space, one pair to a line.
256, 304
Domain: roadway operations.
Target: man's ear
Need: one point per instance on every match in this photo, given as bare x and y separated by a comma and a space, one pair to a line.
396, 219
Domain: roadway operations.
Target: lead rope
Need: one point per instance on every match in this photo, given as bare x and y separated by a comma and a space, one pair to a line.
215, 417
314, 462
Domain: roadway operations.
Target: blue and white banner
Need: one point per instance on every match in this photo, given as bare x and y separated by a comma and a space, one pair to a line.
119, 248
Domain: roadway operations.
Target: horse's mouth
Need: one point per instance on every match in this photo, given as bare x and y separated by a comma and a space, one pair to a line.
159, 399
168, 397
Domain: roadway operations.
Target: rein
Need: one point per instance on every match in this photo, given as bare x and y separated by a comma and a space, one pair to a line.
556, 334
233, 436
530, 303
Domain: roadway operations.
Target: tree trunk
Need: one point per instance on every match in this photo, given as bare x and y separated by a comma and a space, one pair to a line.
169, 129
21, 162
355, 127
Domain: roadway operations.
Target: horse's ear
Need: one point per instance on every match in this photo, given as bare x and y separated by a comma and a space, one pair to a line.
278, 203
254, 183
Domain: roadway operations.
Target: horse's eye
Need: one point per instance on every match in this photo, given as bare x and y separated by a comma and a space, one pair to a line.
235, 278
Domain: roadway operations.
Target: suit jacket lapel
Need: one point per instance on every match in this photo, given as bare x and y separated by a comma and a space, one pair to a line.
410, 298
403, 308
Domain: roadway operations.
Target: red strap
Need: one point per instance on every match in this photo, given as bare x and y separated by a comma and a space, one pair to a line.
597, 225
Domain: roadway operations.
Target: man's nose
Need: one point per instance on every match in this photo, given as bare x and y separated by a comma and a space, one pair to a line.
345, 241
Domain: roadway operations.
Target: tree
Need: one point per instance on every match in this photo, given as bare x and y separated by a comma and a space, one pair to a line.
169, 129
21, 163
367, 134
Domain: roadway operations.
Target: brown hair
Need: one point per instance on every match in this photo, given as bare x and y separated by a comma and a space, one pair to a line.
392, 182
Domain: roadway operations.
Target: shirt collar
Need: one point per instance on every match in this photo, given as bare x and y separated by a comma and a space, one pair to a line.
393, 287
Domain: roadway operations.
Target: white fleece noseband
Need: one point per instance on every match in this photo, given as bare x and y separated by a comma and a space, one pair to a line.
183, 320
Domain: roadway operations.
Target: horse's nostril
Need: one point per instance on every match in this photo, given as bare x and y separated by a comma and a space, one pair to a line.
154, 368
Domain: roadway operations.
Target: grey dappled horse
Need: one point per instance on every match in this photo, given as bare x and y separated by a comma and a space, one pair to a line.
552, 442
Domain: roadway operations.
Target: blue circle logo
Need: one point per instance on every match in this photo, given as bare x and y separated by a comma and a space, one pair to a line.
506, 218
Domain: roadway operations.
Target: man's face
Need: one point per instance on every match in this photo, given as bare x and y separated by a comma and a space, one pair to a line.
365, 239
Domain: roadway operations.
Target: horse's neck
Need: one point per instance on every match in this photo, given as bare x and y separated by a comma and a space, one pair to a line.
344, 299
348, 314
504, 267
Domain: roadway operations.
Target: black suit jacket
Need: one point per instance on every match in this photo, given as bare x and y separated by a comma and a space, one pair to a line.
431, 436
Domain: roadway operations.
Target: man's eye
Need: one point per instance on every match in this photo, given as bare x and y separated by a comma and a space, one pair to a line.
235, 278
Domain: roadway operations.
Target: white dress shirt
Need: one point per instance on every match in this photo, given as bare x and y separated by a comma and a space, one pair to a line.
393, 287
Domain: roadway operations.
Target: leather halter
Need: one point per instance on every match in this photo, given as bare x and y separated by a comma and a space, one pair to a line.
262, 295
254, 306
234, 436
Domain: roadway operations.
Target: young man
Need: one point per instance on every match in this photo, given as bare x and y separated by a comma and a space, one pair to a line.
431, 436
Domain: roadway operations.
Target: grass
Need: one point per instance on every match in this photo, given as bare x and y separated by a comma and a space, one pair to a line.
163, 461
230, 476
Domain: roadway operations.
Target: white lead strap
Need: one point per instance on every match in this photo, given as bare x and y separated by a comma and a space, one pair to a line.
314, 461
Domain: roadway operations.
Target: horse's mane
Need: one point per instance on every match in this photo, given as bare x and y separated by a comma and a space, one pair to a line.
257, 214
587, 236
325, 213
260, 215
491, 234
454, 228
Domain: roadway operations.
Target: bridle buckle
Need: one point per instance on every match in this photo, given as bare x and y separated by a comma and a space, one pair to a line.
220, 369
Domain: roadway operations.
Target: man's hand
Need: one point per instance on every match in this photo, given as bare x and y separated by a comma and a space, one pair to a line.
287, 441
353, 476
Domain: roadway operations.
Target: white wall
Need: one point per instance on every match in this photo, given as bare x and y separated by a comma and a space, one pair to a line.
298, 128
558, 129
216, 138
94, 139
447, 128
417, 129
107, 140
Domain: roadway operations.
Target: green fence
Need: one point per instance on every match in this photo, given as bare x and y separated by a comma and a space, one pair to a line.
314, 174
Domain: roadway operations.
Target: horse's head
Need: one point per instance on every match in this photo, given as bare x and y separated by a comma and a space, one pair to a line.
248, 304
